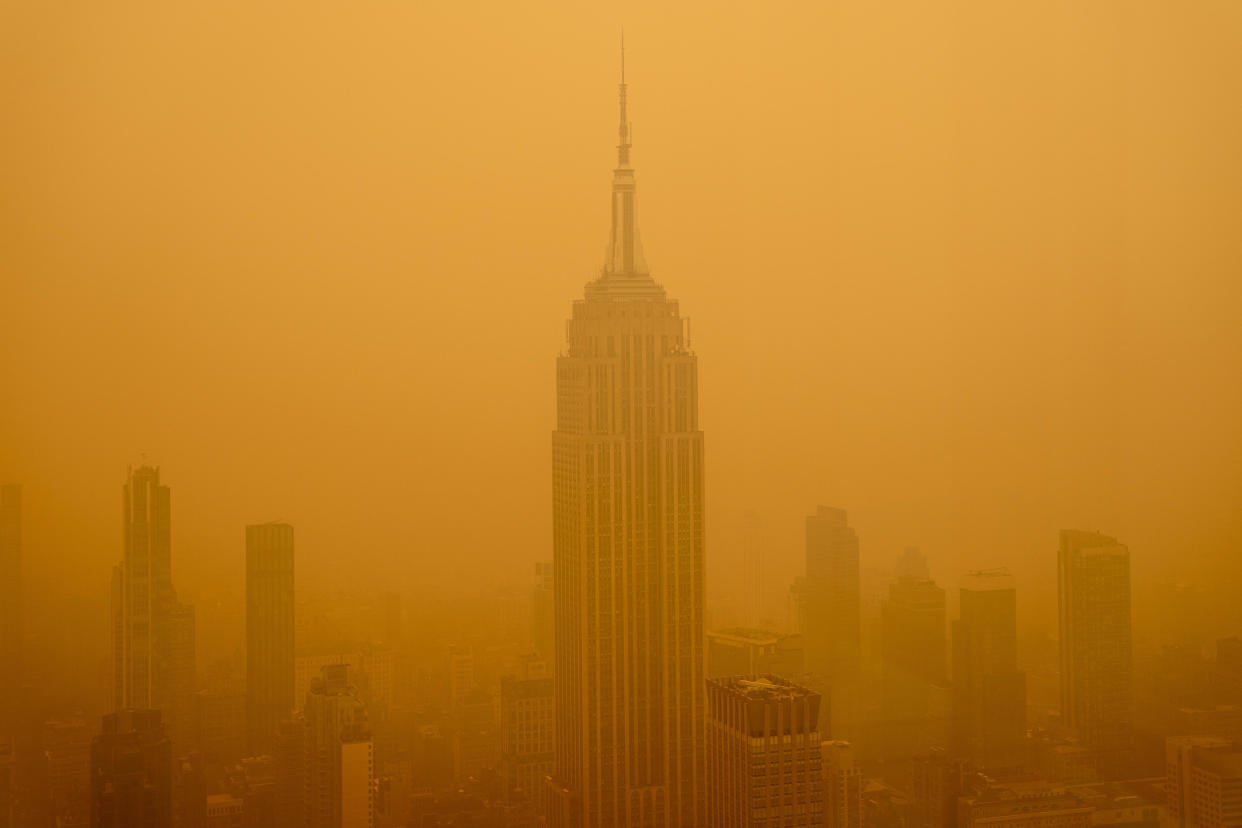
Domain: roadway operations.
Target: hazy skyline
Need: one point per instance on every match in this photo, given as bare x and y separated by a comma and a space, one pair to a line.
970, 274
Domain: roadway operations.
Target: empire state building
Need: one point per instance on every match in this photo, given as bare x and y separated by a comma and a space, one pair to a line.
627, 508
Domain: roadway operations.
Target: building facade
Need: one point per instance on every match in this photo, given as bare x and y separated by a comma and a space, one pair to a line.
843, 786
1097, 671
833, 612
153, 634
131, 772
1203, 782
269, 634
764, 766
628, 547
990, 692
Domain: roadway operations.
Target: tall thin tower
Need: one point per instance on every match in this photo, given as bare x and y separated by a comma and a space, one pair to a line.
628, 547
1096, 657
152, 633
269, 633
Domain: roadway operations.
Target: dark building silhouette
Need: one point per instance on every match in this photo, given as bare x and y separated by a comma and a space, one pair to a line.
914, 660
990, 692
131, 772
269, 634
1097, 670
833, 612
628, 547
153, 633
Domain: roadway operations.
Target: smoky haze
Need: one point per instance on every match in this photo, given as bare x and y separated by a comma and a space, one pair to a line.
968, 270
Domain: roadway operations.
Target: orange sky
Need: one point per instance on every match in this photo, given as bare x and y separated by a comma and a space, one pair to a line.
968, 270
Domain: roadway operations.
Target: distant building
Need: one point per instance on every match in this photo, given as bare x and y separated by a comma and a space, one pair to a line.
1203, 782
843, 786
938, 779
1097, 672
269, 634
1029, 805
739, 651
131, 772
225, 811
543, 609
764, 764
219, 725
833, 632
153, 634
990, 705
913, 656
67, 771
337, 761
527, 736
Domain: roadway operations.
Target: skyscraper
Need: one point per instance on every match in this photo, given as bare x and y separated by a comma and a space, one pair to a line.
131, 772
628, 546
1096, 659
990, 692
914, 659
269, 633
833, 633
337, 760
10, 604
153, 633
763, 754
842, 786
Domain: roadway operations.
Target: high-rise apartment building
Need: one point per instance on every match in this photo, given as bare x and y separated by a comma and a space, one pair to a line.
628, 547
842, 786
269, 633
10, 605
1203, 782
1097, 674
131, 772
764, 765
990, 692
152, 632
914, 661
833, 632
337, 763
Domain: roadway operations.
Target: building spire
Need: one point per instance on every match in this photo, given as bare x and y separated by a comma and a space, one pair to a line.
623, 148
624, 256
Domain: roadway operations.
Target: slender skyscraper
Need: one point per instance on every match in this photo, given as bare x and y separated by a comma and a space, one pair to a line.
990, 703
833, 612
1096, 658
913, 617
628, 547
269, 633
153, 634
10, 604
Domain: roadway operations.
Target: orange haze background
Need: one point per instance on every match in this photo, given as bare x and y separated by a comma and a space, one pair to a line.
969, 270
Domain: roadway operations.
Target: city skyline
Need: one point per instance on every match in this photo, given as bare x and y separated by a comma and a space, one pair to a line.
941, 531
